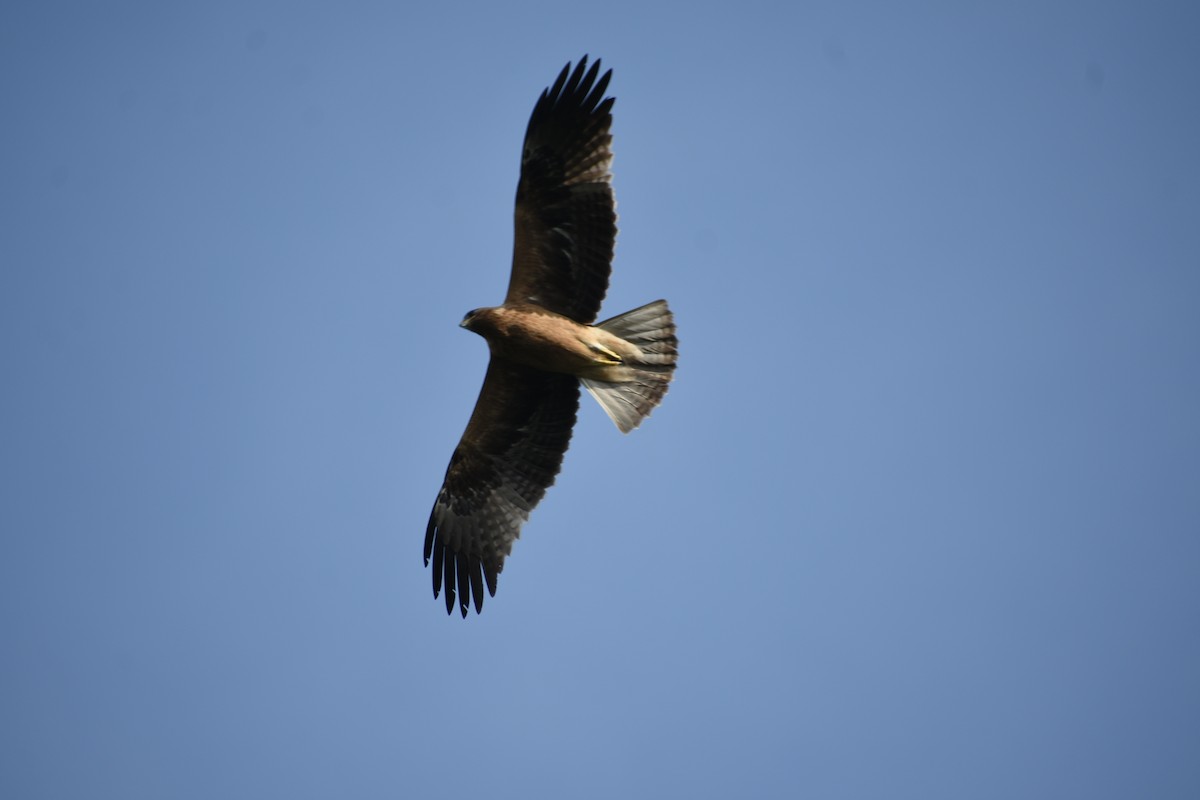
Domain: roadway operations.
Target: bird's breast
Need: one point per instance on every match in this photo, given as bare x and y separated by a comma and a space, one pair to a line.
542, 340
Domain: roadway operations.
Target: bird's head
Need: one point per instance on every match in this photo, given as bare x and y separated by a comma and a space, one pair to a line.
466, 320
474, 319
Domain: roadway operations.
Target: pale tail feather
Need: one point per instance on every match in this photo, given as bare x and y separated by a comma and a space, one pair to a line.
651, 329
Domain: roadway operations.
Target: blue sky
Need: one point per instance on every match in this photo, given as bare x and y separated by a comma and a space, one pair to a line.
919, 518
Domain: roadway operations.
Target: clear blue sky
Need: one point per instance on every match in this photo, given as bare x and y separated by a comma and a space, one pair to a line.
920, 517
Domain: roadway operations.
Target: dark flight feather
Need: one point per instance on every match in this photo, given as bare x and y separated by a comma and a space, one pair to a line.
565, 221
509, 455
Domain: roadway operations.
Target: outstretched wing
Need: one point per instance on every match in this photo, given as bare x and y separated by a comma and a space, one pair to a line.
566, 220
507, 458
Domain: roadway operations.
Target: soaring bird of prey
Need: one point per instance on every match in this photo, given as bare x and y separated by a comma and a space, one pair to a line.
543, 342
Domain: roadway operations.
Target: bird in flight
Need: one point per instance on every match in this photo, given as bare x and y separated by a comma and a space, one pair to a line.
543, 342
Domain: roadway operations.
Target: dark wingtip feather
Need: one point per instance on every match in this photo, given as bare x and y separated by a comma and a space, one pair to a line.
464, 584
597, 94
438, 554
490, 574
557, 86
578, 77
429, 540
475, 570
449, 580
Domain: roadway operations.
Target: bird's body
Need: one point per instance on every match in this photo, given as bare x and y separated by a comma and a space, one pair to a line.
543, 343
532, 336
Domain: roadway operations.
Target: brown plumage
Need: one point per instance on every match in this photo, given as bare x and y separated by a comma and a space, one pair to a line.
543, 344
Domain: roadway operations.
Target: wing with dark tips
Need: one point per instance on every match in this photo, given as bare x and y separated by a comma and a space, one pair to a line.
508, 456
566, 220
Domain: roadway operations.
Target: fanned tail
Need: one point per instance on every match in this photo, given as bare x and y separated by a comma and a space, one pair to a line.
651, 329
